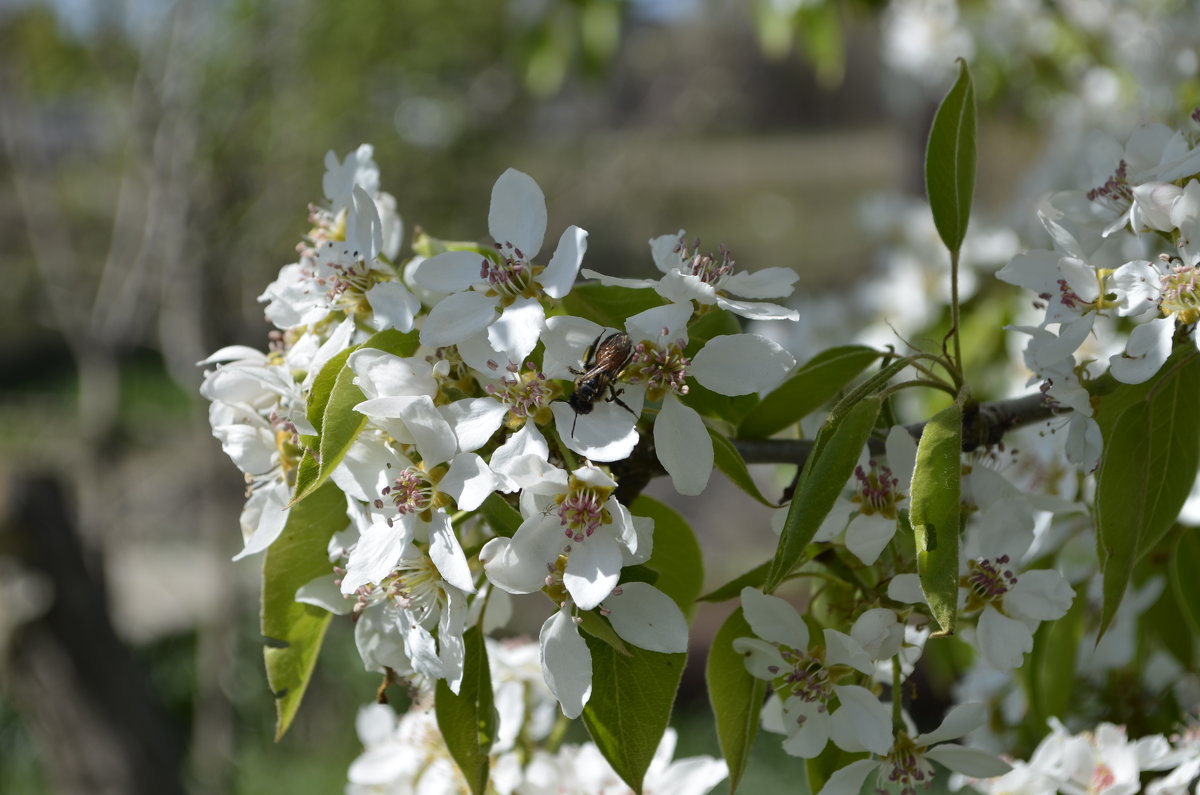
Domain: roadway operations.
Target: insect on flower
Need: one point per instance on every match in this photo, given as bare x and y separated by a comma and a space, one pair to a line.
603, 364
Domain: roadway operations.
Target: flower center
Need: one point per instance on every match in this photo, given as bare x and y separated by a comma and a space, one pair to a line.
509, 277
877, 490
524, 393
1179, 294
409, 492
1115, 192
581, 512
908, 770
988, 579
705, 267
663, 368
808, 678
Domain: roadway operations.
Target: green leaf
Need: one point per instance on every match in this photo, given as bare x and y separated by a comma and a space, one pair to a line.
501, 517
609, 306
676, 555
936, 513
630, 705
714, 323
828, 468
729, 460
1184, 564
293, 631
593, 624
950, 161
735, 695
753, 578
1151, 454
468, 720
815, 383
1051, 665
318, 397
728, 409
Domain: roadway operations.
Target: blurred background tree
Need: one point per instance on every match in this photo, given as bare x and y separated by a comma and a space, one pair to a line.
157, 161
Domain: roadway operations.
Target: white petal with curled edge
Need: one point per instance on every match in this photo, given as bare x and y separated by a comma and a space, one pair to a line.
323, 593
235, 353
968, 761
517, 329
566, 662
849, 779
774, 619
758, 310
447, 554
469, 481
762, 660
664, 249
683, 288
738, 364
422, 650
450, 271
765, 283
392, 306
879, 632
593, 568
378, 550
862, 722
364, 232
650, 324
1138, 287
475, 420
522, 460
560, 273
363, 471
607, 434
457, 317
683, 446
1148, 347
508, 571
518, 213
1080, 276
382, 374
646, 617
263, 518
567, 339
616, 281
252, 449
959, 720
434, 437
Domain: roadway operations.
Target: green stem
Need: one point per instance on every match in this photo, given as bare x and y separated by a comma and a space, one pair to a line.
954, 317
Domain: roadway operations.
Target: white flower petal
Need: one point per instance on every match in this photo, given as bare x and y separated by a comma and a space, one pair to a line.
842, 649
765, 283
774, 619
906, 588
566, 663
1003, 641
593, 568
457, 317
475, 420
447, 554
1138, 287
518, 212
450, 271
879, 632
862, 721
849, 779
616, 281
392, 306
377, 552
739, 364
665, 251
469, 481
559, 276
683, 446
959, 720
609, 433
1148, 347
263, 518
382, 374
646, 617
649, 324
762, 659
758, 310
808, 725
364, 233
1042, 595
867, 536
517, 329
323, 593
434, 437
566, 339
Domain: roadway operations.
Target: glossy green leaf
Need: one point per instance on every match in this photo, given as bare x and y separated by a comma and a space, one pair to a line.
322, 388
825, 473
293, 631
730, 590
1184, 565
1149, 464
950, 161
814, 384
501, 517
936, 514
736, 696
676, 556
729, 461
468, 719
630, 705
609, 306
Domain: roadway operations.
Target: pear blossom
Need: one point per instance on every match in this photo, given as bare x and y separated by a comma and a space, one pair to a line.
906, 766
498, 296
688, 275
732, 364
808, 704
867, 510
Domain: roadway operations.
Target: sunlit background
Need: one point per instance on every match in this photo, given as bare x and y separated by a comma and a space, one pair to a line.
158, 160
